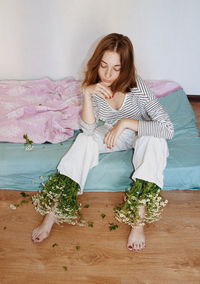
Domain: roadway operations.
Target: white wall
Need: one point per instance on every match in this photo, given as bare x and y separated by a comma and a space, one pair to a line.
54, 38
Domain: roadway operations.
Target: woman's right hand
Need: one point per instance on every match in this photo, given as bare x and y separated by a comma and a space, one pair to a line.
98, 89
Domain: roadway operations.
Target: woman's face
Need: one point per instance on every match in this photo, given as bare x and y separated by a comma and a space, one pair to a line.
109, 68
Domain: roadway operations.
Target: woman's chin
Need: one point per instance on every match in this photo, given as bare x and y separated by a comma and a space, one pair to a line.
107, 84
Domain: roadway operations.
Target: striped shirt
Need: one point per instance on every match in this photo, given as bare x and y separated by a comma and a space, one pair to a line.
139, 104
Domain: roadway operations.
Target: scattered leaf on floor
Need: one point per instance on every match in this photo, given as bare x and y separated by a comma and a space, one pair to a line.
113, 226
86, 206
24, 194
103, 215
90, 224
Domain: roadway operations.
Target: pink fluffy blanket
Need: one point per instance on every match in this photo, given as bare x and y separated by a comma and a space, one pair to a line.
44, 109
47, 110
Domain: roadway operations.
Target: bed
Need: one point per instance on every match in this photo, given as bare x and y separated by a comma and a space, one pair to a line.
25, 170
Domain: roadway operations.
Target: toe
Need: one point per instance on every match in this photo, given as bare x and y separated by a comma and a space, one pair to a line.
130, 247
35, 235
135, 246
143, 245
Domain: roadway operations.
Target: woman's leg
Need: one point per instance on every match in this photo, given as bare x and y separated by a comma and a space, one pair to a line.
74, 167
42, 232
58, 202
149, 161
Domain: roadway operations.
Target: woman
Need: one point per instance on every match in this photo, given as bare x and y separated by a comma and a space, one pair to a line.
133, 118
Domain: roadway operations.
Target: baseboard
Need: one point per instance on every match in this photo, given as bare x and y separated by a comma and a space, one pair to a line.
194, 98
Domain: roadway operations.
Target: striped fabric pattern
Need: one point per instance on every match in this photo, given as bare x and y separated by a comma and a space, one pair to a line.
139, 104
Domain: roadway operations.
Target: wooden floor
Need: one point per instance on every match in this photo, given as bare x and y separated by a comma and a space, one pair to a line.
172, 254
93, 255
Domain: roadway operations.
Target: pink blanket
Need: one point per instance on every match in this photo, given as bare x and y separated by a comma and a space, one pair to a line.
163, 87
47, 110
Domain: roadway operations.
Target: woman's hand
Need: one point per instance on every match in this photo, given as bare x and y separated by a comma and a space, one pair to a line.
110, 138
99, 89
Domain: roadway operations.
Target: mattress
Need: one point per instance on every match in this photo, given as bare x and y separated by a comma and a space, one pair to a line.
25, 170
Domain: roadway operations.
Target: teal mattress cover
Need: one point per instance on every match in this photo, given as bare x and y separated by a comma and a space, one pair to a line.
25, 170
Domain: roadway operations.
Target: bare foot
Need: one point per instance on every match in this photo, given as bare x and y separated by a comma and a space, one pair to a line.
43, 231
136, 239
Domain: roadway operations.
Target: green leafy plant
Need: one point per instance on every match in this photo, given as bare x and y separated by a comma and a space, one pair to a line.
59, 195
142, 193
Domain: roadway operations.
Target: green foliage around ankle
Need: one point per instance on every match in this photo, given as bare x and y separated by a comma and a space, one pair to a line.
59, 195
142, 193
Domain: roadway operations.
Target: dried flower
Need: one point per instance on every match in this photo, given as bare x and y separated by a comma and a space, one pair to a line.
13, 207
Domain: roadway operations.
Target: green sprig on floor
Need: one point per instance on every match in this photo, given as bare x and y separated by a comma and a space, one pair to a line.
103, 215
112, 226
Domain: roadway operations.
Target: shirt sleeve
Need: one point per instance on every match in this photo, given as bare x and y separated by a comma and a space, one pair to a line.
87, 128
159, 124
90, 128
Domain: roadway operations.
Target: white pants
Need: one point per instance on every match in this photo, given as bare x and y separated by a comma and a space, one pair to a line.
149, 159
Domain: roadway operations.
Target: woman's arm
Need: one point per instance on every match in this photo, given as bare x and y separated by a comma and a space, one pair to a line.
111, 137
87, 114
158, 123
88, 119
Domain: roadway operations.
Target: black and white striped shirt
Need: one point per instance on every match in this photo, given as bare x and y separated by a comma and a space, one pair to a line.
139, 104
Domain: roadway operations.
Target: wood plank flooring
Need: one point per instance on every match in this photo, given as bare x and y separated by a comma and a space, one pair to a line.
95, 255
172, 254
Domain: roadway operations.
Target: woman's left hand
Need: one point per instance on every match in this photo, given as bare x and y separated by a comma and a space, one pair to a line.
110, 138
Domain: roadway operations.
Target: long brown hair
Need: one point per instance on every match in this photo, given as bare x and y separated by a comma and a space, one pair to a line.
123, 46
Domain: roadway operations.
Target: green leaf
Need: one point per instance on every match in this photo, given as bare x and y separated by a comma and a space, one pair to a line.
24, 201
90, 224
113, 226
28, 141
24, 194
65, 268
78, 247
86, 206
